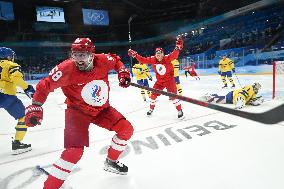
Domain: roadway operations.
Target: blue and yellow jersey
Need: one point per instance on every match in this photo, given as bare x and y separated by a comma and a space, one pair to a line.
226, 65
246, 93
141, 71
175, 63
10, 77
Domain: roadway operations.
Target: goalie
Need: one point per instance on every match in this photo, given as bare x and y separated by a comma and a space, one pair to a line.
239, 97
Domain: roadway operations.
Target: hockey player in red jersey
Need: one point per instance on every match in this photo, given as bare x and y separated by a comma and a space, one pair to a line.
191, 71
84, 81
164, 73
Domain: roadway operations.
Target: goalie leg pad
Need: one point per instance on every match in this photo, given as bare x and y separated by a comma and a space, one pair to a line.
240, 103
214, 98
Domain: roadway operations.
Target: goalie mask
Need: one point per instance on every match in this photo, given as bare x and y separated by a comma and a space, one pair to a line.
256, 87
82, 50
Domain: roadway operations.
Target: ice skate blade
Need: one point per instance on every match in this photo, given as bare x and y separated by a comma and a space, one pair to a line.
21, 151
114, 171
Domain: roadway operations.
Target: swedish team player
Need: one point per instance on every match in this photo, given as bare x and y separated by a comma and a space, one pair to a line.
11, 76
175, 63
240, 97
142, 75
226, 67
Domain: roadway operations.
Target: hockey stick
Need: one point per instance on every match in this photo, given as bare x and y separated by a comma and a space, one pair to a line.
238, 80
272, 116
42, 170
19, 92
129, 34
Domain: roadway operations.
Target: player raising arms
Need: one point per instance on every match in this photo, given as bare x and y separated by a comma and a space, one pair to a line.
142, 75
164, 73
10, 77
84, 81
239, 97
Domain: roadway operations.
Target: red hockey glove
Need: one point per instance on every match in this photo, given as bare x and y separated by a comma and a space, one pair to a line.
124, 77
132, 53
179, 43
34, 114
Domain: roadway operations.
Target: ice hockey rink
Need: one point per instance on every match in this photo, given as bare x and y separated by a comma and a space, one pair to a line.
206, 150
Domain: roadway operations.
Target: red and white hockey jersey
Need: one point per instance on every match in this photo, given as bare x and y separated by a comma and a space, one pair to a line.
87, 91
164, 69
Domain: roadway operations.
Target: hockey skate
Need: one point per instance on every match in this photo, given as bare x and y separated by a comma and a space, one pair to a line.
233, 86
180, 115
19, 148
115, 167
149, 113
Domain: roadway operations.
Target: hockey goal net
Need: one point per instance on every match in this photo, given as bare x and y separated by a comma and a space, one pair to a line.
278, 80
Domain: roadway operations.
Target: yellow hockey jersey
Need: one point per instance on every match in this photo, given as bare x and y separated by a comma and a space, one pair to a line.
10, 77
175, 63
141, 71
247, 93
226, 65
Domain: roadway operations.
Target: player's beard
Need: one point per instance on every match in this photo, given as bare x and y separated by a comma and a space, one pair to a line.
85, 65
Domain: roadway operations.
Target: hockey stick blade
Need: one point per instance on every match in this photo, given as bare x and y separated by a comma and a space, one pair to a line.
42, 170
272, 116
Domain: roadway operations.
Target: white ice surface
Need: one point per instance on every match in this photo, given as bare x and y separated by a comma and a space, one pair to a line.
246, 155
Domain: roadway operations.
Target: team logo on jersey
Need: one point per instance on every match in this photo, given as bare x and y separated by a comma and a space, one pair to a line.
161, 69
95, 93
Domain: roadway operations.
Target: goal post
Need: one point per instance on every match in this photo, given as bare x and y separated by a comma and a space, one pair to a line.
278, 80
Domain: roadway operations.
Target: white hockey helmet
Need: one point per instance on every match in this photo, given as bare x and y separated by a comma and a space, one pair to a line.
256, 87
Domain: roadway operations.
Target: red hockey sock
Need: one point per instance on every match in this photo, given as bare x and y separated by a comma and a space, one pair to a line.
63, 167
116, 148
177, 104
153, 101
52, 183
178, 107
113, 154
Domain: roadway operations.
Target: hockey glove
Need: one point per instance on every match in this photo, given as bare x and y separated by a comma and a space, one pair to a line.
233, 70
132, 53
150, 78
34, 115
124, 77
30, 91
179, 44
